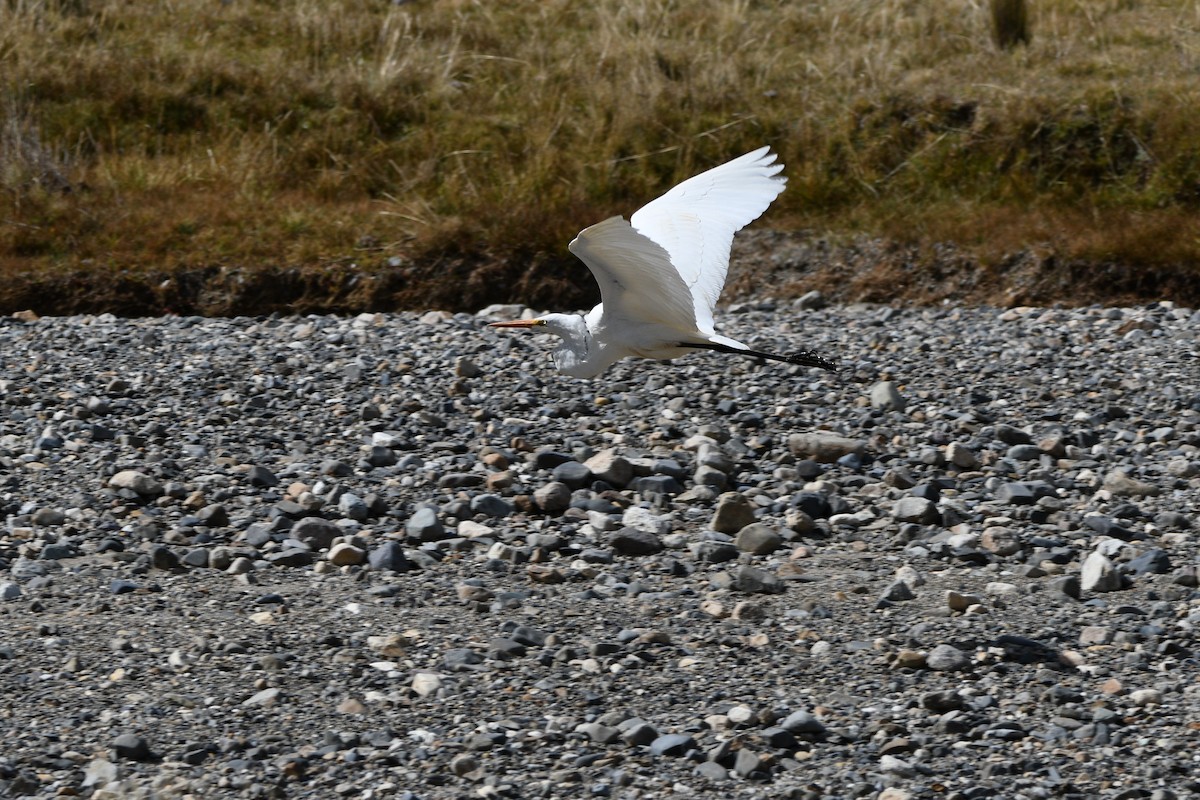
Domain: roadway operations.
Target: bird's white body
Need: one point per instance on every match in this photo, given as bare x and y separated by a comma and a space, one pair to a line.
661, 273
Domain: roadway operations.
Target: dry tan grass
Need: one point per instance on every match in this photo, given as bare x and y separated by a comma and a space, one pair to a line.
473, 132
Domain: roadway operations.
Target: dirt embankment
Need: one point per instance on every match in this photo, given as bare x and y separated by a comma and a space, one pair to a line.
765, 264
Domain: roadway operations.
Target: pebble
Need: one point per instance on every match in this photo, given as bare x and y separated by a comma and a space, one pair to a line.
131, 747
634, 542
315, 532
553, 497
1098, 574
426, 683
946, 658
916, 509
672, 745
344, 554
758, 539
424, 526
886, 397
733, 512
135, 481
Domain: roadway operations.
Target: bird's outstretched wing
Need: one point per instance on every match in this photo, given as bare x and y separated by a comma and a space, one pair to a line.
695, 222
637, 280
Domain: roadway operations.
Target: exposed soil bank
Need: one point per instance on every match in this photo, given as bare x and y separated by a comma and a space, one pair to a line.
765, 264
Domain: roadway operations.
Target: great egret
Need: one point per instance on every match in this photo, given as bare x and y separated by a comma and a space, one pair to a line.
661, 273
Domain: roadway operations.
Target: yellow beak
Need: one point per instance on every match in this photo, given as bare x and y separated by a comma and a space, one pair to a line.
518, 323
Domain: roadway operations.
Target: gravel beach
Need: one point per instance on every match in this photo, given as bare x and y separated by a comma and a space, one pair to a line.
398, 556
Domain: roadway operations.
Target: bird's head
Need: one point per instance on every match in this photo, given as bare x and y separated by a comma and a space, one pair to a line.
572, 356
564, 325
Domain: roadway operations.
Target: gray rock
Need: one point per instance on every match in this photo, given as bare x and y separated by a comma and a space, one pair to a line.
352, 506
131, 747
291, 557
390, 555
48, 517
380, 456
261, 476
611, 468
646, 520
573, 474
756, 581
491, 505
424, 526
1011, 435
947, 658
916, 509
962, 456
1000, 540
636, 732
633, 542
672, 744
824, 447
553, 497
711, 476
213, 515
803, 722
758, 539
502, 649
316, 532
462, 659
600, 734
886, 396
1017, 494
1122, 485
136, 481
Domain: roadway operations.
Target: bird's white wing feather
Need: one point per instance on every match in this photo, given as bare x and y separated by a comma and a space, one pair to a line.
637, 280
695, 222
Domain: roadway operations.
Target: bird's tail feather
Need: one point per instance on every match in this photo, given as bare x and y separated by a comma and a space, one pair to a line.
805, 358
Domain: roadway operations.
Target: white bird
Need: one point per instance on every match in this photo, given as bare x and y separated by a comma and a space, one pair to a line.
661, 273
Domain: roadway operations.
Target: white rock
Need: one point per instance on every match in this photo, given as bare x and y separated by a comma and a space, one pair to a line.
909, 575
643, 519
1099, 575
426, 683
473, 530
139, 482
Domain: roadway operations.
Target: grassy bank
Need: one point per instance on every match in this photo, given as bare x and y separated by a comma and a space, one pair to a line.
450, 149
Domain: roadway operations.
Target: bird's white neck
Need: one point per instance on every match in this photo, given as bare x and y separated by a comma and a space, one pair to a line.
580, 354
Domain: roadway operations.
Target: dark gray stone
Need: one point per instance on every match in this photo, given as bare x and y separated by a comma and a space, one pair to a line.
424, 526
634, 542
316, 532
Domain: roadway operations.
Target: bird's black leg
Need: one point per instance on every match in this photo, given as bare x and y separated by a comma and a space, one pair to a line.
805, 358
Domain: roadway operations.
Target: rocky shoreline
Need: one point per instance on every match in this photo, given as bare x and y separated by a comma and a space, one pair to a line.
398, 556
